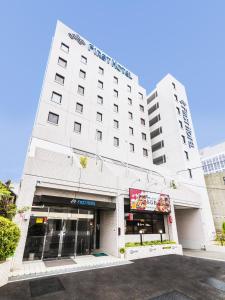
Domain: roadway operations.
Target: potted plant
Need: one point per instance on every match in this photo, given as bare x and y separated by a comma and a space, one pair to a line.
9, 231
122, 252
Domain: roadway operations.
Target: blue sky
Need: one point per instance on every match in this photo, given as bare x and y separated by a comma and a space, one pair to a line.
151, 38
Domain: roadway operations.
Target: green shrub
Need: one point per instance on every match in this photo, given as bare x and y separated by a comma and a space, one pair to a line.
149, 243
9, 238
223, 227
122, 250
220, 237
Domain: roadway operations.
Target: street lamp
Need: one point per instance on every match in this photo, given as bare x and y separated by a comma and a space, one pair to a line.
141, 232
161, 233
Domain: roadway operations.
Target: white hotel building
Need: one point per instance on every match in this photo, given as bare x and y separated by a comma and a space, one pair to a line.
93, 107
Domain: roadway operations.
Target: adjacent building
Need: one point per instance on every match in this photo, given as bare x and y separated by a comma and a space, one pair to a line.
105, 160
213, 164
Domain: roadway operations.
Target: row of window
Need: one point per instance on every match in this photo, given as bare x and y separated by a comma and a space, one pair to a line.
62, 62
81, 90
54, 118
56, 97
214, 164
79, 107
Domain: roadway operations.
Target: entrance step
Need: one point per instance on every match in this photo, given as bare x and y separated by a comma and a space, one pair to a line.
38, 269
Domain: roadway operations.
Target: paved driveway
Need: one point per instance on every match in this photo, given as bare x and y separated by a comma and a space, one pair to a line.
181, 276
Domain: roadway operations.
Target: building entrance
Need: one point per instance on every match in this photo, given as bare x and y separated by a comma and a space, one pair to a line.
54, 235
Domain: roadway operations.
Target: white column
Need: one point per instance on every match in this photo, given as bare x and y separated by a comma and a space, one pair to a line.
25, 198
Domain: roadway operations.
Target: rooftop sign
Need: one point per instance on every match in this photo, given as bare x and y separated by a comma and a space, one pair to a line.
107, 59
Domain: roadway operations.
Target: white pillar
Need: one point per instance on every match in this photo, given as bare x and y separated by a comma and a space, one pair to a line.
25, 198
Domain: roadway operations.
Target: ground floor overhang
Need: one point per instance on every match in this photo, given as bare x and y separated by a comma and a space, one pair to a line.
46, 200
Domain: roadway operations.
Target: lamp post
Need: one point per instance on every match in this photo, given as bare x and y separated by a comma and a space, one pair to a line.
141, 241
161, 233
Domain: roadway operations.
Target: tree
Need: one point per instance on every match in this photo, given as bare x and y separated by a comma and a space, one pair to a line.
7, 201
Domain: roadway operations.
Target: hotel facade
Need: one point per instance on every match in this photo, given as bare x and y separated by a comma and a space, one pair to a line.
105, 160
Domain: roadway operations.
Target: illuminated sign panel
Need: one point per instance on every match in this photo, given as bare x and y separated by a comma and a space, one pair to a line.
149, 201
107, 59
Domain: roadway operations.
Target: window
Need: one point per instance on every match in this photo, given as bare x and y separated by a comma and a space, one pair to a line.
178, 110
129, 88
183, 139
83, 59
115, 80
129, 101
130, 115
140, 96
157, 146
82, 74
98, 135
175, 96
100, 70
53, 118
148, 223
62, 62
145, 152
143, 122
100, 84
100, 99
141, 108
159, 160
64, 47
190, 173
80, 90
79, 107
154, 120
181, 124
143, 135
57, 98
77, 127
153, 108
186, 155
131, 130
174, 85
115, 93
59, 79
116, 124
152, 97
99, 117
131, 147
156, 132
116, 142
115, 108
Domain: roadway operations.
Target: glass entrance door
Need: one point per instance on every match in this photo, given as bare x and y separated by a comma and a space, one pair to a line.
55, 234
85, 237
68, 238
60, 238
52, 238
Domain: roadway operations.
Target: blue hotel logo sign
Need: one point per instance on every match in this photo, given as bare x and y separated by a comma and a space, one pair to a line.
81, 202
101, 55
187, 124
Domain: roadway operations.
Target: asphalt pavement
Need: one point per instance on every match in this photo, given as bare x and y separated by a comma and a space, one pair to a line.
162, 278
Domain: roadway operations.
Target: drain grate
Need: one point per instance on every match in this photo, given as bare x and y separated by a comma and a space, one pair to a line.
174, 295
216, 283
40, 287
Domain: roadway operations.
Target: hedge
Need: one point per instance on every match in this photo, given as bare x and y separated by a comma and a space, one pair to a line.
9, 238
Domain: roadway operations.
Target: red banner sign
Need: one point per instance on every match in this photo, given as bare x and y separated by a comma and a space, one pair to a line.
147, 201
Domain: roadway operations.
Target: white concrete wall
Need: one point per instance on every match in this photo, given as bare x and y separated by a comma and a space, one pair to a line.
108, 232
189, 228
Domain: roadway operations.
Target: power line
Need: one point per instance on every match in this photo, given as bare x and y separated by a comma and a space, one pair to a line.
185, 170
